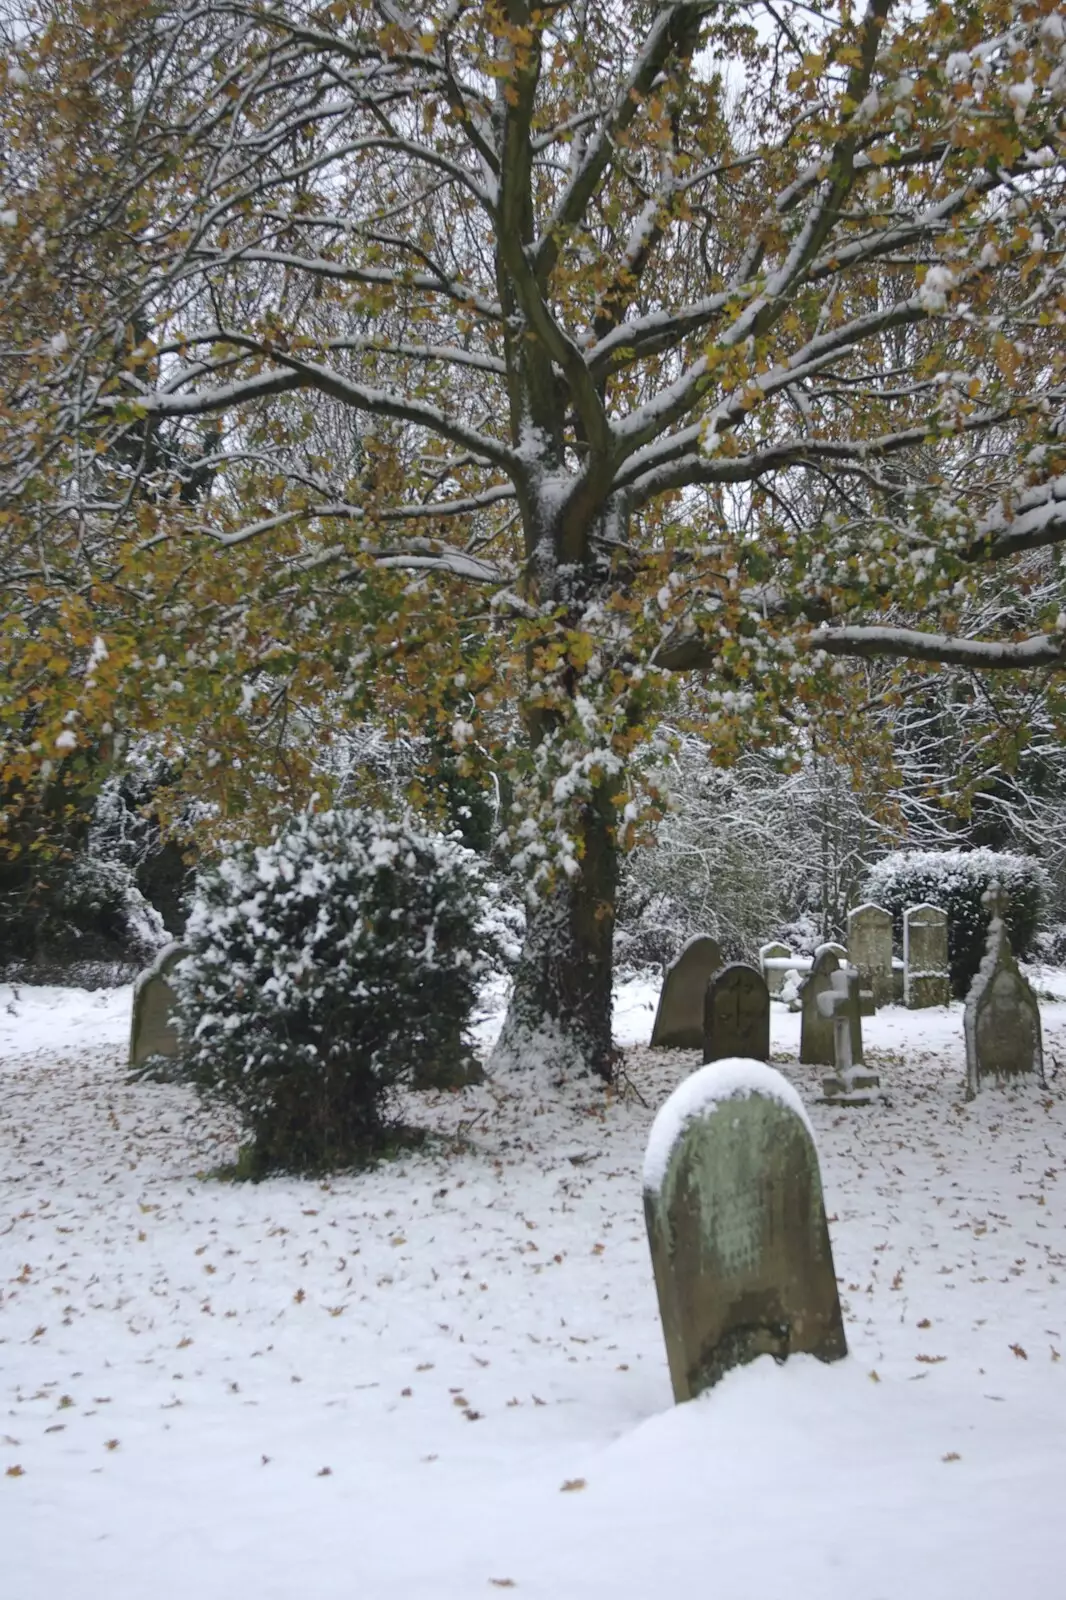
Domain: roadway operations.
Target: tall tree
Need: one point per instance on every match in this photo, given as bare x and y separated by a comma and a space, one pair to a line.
714, 336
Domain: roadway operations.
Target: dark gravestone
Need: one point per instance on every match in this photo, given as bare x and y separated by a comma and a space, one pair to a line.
679, 1019
816, 1029
1001, 1021
153, 1036
737, 1227
736, 1015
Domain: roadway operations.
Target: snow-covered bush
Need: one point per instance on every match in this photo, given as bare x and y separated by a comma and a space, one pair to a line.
956, 880
325, 970
1050, 946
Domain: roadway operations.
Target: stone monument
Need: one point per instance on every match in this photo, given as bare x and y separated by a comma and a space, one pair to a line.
679, 1018
851, 1083
926, 976
736, 1015
773, 964
1001, 1021
737, 1227
152, 1031
816, 1029
870, 950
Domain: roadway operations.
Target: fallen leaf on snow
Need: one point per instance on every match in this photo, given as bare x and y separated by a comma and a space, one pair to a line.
571, 1484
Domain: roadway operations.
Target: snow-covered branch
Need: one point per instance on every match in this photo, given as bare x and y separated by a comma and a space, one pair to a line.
1043, 650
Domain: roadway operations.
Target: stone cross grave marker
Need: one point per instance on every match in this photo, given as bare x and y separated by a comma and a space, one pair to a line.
1001, 1020
816, 1030
775, 974
152, 1031
736, 1014
926, 978
870, 950
737, 1228
679, 1018
851, 1083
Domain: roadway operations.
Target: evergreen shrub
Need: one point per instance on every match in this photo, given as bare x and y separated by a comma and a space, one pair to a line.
325, 970
955, 880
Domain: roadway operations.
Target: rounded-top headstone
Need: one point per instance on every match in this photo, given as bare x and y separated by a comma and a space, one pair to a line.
737, 1227
679, 1018
152, 1031
816, 1030
736, 1014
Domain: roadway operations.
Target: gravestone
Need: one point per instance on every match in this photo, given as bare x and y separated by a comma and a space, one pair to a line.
736, 1015
850, 1083
679, 1018
774, 975
816, 1029
152, 1031
870, 950
737, 1228
1001, 1021
926, 979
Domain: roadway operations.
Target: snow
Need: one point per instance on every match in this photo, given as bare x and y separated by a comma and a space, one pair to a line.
733, 1078
460, 1334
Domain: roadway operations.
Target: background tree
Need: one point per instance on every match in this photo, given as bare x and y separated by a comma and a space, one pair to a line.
686, 336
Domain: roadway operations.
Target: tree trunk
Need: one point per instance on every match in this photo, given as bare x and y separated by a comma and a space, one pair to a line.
560, 1011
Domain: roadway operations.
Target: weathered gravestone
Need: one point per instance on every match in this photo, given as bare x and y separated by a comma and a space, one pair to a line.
1001, 1020
816, 1029
679, 1019
870, 950
773, 959
926, 979
737, 1228
851, 1083
736, 1015
152, 1031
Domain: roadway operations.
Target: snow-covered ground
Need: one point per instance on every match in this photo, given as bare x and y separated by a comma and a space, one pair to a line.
447, 1375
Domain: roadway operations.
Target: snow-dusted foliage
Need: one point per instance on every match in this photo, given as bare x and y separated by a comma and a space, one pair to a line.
81, 921
956, 880
323, 969
747, 854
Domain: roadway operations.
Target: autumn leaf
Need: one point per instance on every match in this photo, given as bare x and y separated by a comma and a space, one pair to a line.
571, 1484
1018, 1351
15, 1472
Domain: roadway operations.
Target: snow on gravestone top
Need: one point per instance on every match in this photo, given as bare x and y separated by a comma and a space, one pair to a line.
737, 1228
1001, 1020
679, 1018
